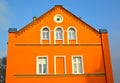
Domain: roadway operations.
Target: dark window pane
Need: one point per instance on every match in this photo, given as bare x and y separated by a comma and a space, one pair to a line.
75, 67
40, 68
59, 33
44, 68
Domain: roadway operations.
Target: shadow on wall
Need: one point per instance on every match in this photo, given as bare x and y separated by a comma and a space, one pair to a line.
99, 73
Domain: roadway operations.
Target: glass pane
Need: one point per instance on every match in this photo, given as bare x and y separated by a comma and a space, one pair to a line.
43, 35
73, 35
47, 35
74, 59
79, 68
59, 29
42, 60
57, 35
77, 64
69, 35
79, 59
60, 34
44, 68
45, 29
40, 68
75, 67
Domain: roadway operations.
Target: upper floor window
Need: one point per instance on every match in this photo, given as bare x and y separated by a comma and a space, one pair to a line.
58, 34
77, 65
58, 18
71, 34
42, 65
45, 33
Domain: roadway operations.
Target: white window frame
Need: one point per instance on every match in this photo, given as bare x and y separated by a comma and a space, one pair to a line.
71, 34
59, 56
55, 34
45, 32
37, 65
58, 16
73, 65
42, 34
76, 36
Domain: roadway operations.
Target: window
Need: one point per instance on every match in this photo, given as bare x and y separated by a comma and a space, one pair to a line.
77, 65
59, 34
45, 34
58, 18
42, 65
71, 34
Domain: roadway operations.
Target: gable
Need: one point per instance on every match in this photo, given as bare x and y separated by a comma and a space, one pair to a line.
31, 32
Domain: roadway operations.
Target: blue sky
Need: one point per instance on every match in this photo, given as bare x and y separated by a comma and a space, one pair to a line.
97, 13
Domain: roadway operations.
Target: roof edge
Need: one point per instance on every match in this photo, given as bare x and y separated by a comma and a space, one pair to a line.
61, 6
80, 19
12, 30
103, 30
37, 19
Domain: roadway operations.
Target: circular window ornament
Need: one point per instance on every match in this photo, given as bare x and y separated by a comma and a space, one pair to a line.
58, 18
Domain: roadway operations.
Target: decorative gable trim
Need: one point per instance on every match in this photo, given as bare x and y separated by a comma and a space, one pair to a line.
37, 20
79, 20
56, 7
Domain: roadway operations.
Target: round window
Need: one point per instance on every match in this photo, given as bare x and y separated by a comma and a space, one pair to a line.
58, 18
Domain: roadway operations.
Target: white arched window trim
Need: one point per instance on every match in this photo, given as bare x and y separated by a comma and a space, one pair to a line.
42, 34
55, 34
76, 39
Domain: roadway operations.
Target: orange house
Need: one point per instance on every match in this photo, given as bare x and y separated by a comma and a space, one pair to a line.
58, 47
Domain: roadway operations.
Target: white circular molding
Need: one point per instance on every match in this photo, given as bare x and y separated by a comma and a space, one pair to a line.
58, 18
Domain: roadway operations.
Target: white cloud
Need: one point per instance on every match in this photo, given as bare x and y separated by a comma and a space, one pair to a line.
4, 15
3, 53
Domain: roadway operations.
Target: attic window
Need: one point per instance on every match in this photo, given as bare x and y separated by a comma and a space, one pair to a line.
45, 34
58, 18
59, 33
71, 34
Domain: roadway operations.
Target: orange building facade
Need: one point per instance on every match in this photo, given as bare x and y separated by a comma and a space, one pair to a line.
58, 47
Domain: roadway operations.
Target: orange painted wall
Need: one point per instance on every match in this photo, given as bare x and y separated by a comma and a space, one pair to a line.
25, 45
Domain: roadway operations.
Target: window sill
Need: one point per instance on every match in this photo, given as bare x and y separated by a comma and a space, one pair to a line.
37, 44
54, 75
